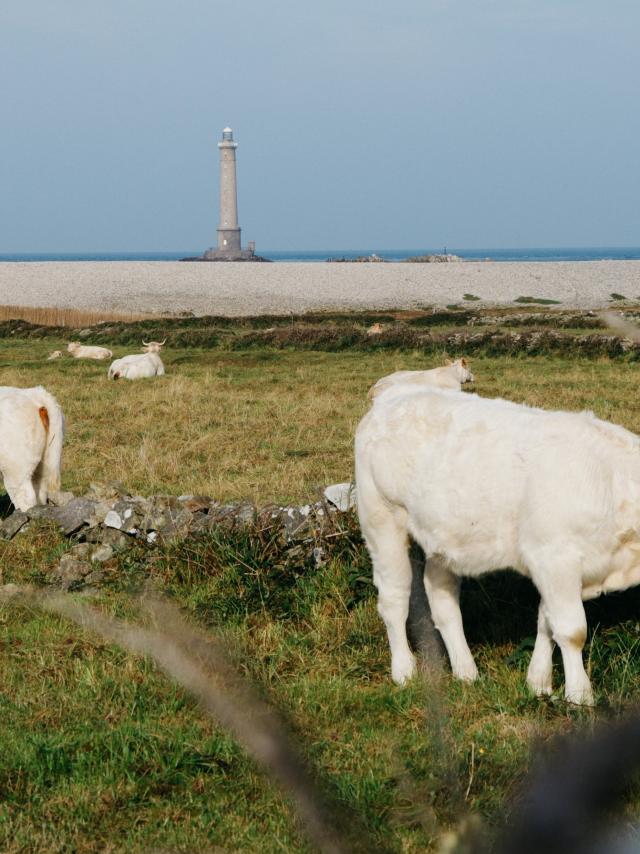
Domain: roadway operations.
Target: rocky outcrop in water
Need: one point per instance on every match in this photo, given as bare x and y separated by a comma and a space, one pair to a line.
360, 259
433, 259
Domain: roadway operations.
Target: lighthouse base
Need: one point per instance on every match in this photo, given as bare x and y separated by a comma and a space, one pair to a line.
228, 255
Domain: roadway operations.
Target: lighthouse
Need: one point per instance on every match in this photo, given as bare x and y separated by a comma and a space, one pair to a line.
229, 245
228, 230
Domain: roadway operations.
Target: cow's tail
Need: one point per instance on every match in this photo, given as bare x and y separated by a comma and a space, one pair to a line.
52, 420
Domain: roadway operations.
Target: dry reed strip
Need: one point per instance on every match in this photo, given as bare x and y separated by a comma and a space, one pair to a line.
71, 317
201, 666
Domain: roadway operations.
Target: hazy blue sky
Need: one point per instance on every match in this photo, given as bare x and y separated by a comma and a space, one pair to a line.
421, 123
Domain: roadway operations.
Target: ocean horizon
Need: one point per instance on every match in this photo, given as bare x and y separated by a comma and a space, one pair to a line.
600, 253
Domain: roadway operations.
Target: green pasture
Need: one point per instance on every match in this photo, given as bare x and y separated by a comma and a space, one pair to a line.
101, 753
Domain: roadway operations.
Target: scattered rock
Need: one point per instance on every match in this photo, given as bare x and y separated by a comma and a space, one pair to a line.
193, 503
71, 571
75, 514
80, 551
109, 537
10, 526
101, 554
232, 515
99, 513
41, 511
245, 514
112, 520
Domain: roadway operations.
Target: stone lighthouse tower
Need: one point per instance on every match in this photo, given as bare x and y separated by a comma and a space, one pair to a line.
228, 230
229, 246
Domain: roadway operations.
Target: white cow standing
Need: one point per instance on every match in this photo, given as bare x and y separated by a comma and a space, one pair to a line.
31, 437
486, 484
141, 365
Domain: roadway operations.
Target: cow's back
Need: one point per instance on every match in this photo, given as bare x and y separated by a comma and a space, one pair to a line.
485, 480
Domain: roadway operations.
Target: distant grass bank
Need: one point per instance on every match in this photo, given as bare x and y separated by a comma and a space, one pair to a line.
533, 331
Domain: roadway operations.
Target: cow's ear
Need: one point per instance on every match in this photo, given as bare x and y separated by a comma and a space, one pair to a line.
463, 362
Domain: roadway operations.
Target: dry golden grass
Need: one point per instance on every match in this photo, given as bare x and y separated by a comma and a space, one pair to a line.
266, 426
71, 317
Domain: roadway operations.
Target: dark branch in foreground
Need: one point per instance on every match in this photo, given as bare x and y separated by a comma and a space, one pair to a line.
569, 800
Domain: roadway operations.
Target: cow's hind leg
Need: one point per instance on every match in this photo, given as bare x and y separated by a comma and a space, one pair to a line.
40, 484
443, 592
541, 665
386, 535
20, 489
561, 594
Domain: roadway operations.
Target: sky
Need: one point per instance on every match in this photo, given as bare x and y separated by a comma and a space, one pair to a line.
422, 123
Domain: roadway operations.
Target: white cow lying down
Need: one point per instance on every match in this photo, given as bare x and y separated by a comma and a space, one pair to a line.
485, 484
452, 376
31, 436
139, 366
84, 351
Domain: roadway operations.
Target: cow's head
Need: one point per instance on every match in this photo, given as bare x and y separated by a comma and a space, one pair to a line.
153, 346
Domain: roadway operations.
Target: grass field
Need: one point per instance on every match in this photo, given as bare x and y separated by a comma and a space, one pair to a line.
103, 754
266, 425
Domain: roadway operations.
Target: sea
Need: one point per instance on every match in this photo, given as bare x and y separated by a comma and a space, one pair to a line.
600, 253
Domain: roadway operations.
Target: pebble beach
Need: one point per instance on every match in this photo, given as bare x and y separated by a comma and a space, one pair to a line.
234, 289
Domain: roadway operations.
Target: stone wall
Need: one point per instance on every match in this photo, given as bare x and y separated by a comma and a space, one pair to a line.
107, 520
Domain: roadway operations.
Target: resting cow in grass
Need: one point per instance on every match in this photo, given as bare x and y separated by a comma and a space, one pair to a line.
453, 375
31, 436
487, 484
139, 366
83, 351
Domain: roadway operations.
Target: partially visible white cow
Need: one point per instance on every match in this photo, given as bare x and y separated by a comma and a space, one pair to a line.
484, 484
139, 366
82, 351
31, 437
453, 375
